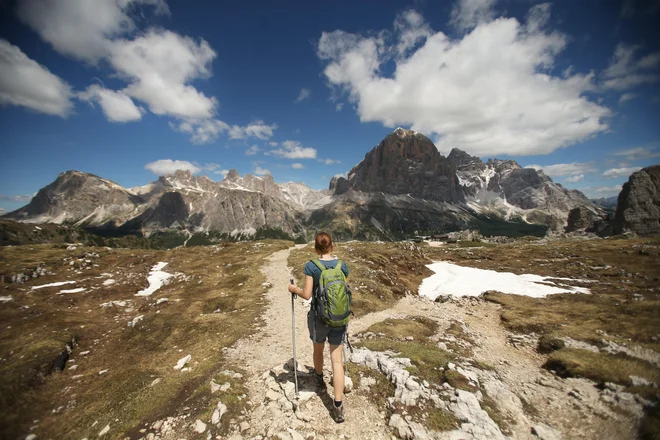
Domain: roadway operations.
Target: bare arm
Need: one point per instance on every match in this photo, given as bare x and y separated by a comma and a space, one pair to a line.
306, 291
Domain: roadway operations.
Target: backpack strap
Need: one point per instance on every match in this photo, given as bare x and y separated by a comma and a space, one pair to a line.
339, 263
320, 265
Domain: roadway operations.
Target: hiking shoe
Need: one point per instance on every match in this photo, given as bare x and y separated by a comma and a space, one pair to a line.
319, 379
339, 413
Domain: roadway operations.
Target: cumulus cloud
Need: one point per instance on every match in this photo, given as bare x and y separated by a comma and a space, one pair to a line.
3, 211
575, 179
304, 94
23, 198
594, 192
297, 166
159, 65
257, 129
82, 29
260, 171
168, 166
339, 106
614, 173
467, 14
26, 83
252, 151
488, 93
329, 161
639, 153
566, 169
293, 150
116, 105
626, 70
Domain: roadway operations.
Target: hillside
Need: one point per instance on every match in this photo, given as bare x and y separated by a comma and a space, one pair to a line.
569, 365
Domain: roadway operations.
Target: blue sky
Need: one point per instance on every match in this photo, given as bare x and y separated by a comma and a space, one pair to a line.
129, 89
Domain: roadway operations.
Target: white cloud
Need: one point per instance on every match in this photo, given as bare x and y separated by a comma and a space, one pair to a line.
273, 144
340, 175
168, 166
467, 14
411, 29
3, 211
260, 171
575, 179
23, 198
203, 131
566, 169
159, 65
253, 150
213, 168
297, 166
614, 173
293, 150
627, 97
626, 71
339, 106
639, 153
488, 93
594, 192
304, 94
257, 129
116, 106
26, 83
329, 161
82, 29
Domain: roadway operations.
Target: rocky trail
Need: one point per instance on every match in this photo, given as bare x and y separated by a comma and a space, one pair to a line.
532, 402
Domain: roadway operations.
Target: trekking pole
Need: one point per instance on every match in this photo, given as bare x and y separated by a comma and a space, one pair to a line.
293, 336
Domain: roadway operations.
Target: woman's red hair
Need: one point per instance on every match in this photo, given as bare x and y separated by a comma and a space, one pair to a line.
323, 243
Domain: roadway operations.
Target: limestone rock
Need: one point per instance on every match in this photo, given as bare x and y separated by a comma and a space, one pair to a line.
544, 432
638, 206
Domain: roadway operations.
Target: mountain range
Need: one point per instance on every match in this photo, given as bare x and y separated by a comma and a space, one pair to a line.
402, 187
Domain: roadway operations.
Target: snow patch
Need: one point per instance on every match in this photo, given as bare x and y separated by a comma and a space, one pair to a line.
244, 232
109, 282
451, 279
59, 283
79, 289
157, 278
5, 299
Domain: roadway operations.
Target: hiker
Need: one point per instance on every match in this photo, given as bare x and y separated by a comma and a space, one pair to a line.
320, 326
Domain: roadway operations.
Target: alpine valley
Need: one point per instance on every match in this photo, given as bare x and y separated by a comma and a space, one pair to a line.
403, 187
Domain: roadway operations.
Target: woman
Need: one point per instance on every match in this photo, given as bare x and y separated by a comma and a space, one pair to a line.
335, 336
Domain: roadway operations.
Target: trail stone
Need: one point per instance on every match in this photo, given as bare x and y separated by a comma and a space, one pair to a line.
244, 426
348, 384
199, 426
272, 395
214, 386
215, 417
295, 435
544, 432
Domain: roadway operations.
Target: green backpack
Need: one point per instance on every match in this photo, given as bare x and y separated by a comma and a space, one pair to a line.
332, 300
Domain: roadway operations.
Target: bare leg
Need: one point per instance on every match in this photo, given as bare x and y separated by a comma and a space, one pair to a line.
318, 357
337, 370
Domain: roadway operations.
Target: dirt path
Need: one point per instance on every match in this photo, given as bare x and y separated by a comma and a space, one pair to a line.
265, 354
525, 393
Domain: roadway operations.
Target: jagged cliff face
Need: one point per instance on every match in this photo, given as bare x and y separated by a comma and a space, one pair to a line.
179, 201
504, 187
406, 162
638, 205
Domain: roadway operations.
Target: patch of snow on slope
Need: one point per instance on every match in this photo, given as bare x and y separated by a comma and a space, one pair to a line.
59, 283
157, 278
244, 232
5, 299
79, 289
451, 279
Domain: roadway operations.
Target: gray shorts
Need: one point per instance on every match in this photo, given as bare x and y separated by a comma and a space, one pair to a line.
334, 335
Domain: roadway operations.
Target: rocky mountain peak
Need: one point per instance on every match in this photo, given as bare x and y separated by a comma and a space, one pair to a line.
463, 161
232, 175
638, 205
405, 162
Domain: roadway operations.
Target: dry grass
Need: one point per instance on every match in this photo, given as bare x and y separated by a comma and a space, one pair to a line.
419, 327
600, 367
379, 273
37, 323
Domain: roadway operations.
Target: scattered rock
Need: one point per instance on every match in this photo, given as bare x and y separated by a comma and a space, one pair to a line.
544, 432
199, 426
348, 384
214, 386
182, 362
104, 431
